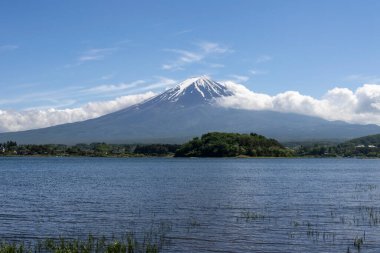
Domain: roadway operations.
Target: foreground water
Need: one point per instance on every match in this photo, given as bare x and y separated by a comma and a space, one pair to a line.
210, 205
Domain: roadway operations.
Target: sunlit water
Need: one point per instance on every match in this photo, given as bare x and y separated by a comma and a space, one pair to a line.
211, 205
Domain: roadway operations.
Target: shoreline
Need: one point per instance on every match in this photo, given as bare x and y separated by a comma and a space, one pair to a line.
173, 157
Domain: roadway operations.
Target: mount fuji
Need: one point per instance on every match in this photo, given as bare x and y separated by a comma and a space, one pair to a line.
186, 111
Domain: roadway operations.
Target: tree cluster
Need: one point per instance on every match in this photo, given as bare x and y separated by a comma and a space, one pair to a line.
94, 149
367, 146
217, 144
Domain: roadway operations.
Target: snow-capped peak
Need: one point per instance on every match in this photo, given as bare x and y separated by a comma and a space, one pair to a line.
196, 88
193, 91
198, 81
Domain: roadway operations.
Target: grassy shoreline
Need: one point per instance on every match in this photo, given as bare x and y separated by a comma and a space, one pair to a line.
125, 244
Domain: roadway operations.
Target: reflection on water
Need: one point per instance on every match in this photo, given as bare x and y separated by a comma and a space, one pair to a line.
210, 205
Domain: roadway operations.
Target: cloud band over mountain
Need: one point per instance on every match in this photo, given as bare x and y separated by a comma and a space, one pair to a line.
32, 119
361, 106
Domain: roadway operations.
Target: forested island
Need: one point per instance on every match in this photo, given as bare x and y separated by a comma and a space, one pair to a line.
213, 144
233, 145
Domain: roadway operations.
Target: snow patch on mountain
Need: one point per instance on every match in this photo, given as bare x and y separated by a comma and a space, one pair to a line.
193, 91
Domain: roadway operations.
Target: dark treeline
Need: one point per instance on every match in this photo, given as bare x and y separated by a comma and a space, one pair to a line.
340, 150
214, 144
209, 145
94, 149
367, 146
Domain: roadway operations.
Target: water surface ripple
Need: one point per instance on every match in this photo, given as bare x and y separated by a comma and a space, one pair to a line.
211, 205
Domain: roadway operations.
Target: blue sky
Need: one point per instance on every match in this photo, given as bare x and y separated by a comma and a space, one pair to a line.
63, 54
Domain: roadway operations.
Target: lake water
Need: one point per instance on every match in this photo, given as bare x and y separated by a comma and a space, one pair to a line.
210, 205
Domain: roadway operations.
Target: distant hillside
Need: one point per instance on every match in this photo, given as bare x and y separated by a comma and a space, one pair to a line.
231, 145
373, 140
366, 146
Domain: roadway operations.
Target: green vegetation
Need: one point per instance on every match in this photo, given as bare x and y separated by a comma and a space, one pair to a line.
366, 140
213, 144
127, 244
94, 149
251, 216
232, 145
209, 145
151, 241
367, 146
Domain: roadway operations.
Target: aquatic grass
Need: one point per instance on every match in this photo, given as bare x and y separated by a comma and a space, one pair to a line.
291, 235
295, 223
370, 214
365, 187
152, 242
13, 248
317, 235
251, 215
358, 242
194, 223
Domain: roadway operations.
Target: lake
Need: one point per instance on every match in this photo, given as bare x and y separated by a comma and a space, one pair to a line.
207, 205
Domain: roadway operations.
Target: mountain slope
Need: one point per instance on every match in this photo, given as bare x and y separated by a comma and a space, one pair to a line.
373, 140
185, 111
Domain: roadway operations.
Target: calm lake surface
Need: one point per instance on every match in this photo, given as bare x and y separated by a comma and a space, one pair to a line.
210, 205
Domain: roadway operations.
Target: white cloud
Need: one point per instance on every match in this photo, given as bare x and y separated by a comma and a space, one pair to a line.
135, 87
107, 77
256, 72
45, 116
185, 57
114, 87
96, 54
368, 98
172, 66
239, 78
31, 119
162, 82
361, 106
263, 58
211, 47
244, 98
77, 95
216, 65
45, 96
4, 48
182, 32
363, 78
